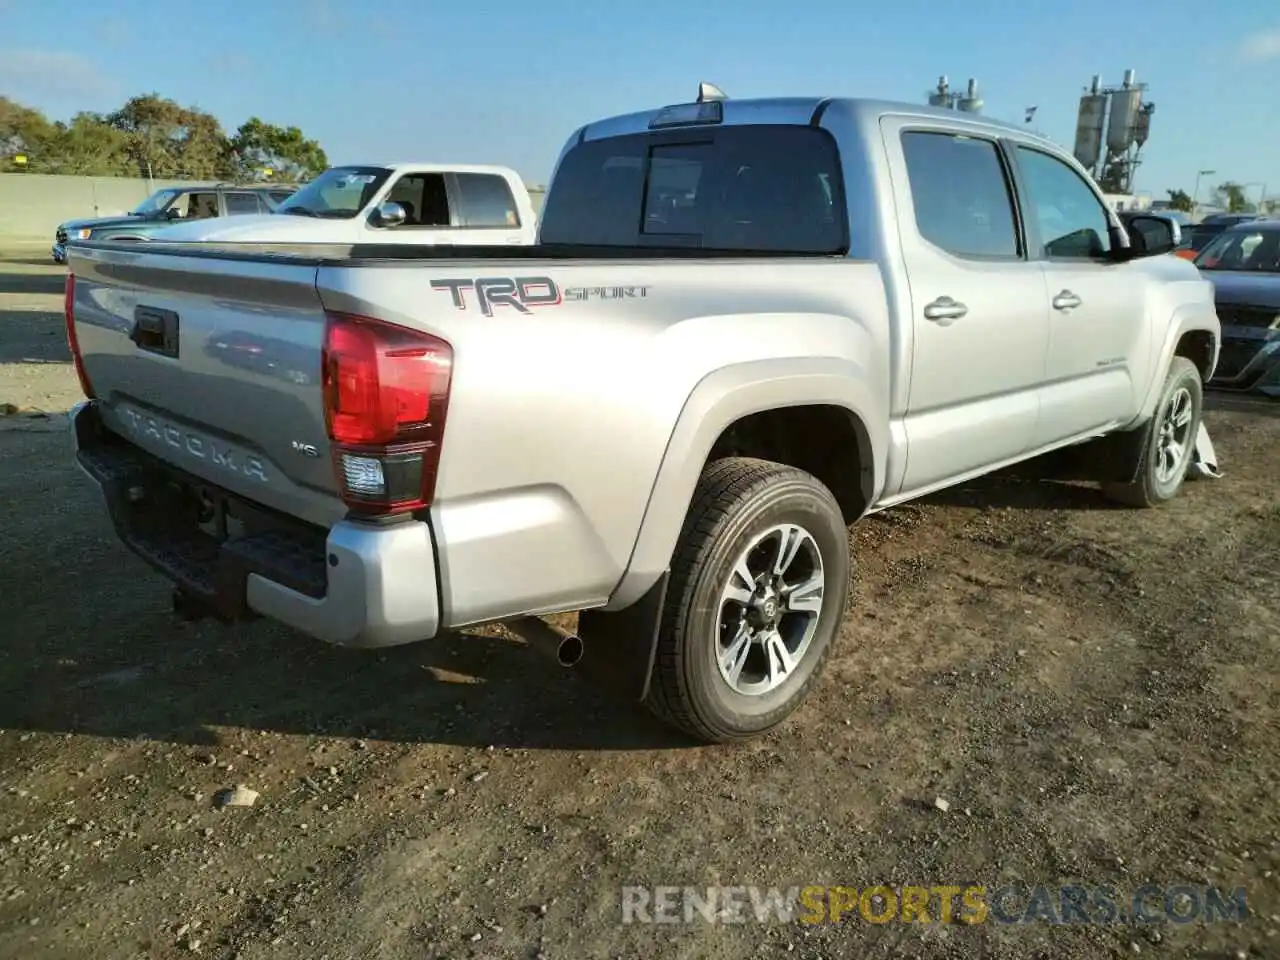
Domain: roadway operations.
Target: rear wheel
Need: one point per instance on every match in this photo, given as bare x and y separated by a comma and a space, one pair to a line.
1170, 440
757, 593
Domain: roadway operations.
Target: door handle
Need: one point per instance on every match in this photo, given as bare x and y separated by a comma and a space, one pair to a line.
1066, 300
944, 310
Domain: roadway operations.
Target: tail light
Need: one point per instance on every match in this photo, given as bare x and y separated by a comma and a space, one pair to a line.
68, 312
386, 392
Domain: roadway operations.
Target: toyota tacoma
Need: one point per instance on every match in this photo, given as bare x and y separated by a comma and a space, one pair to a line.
746, 325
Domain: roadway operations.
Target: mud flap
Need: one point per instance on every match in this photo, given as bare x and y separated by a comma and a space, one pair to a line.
1204, 462
618, 647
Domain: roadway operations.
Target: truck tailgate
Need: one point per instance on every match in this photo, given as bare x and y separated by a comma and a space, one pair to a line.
213, 365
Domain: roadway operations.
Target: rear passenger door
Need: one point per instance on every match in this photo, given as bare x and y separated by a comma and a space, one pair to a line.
1097, 317
979, 323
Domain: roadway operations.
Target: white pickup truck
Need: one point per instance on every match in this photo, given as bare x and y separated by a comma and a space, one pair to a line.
746, 325
406, 203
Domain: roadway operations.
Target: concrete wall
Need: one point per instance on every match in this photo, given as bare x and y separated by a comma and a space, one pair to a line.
32, 205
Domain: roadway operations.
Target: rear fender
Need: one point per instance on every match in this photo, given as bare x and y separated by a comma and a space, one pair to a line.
723, 397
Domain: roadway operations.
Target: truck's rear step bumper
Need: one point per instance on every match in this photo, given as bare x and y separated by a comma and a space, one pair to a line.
360, 585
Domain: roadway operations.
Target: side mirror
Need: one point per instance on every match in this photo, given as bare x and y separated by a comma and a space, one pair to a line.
173, 213
1151, 236
389, 214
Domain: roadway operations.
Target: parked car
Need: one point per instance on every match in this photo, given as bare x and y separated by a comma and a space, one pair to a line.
1199, 235
747, 325
1243, 263
412, 203
1230, 219
164, 207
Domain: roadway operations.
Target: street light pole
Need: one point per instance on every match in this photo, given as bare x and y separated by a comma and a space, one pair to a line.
1195, 194
1262, 196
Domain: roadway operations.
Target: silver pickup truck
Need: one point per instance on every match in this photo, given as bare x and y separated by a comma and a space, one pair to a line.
747, 324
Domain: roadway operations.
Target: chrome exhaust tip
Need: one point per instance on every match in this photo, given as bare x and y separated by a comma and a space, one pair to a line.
563, 647
570, 650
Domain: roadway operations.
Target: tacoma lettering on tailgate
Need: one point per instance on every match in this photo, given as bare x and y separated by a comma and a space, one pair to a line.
193, 445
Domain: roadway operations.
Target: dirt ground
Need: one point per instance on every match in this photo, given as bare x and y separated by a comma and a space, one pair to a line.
1092, 690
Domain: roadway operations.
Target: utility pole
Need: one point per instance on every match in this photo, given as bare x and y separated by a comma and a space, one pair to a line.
1262, 196
1195, 194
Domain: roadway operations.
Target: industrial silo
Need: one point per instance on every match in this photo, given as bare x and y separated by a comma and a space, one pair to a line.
1126, 102
1089, 124
971, 102
1142, 125
941, 97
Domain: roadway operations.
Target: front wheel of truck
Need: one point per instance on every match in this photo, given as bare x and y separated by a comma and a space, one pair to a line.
759, 581
1169, 441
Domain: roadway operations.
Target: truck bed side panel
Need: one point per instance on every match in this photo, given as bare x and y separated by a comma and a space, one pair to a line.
560, 415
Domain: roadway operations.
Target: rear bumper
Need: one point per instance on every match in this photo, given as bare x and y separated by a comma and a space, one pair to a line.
358, 585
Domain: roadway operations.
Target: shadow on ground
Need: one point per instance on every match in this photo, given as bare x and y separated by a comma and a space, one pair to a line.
31, 260
33, 336
1022, 490
1255, 403
180, 683
92, 647
29, 283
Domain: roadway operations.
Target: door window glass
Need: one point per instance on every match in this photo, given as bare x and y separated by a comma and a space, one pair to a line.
485, 201
1072, 220
424, 198
238, 203
960, 194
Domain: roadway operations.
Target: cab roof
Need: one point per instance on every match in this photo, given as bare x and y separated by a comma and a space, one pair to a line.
804, 111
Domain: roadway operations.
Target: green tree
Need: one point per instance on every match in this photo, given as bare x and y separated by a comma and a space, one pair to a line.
24, 132
259, 147
151, 136
88, 146
1231, 195
1180, 200
168, 140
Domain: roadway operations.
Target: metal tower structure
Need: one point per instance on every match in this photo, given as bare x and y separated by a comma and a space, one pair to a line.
944, 96
1112, 127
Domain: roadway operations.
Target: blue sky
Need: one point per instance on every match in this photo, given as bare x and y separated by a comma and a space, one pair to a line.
506, 82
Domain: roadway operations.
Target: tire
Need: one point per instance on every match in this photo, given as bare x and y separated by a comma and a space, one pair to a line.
1158, 480
737, 501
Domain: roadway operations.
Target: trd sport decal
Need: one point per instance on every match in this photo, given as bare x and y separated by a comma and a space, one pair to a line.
523, 293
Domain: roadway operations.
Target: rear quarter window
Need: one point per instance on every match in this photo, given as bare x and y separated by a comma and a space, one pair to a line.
760, 188
243, 203
485, 200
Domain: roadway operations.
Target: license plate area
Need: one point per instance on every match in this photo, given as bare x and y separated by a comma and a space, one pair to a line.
216, 515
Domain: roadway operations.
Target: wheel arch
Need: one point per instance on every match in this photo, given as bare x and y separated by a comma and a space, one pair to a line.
744, 410
1193, 332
